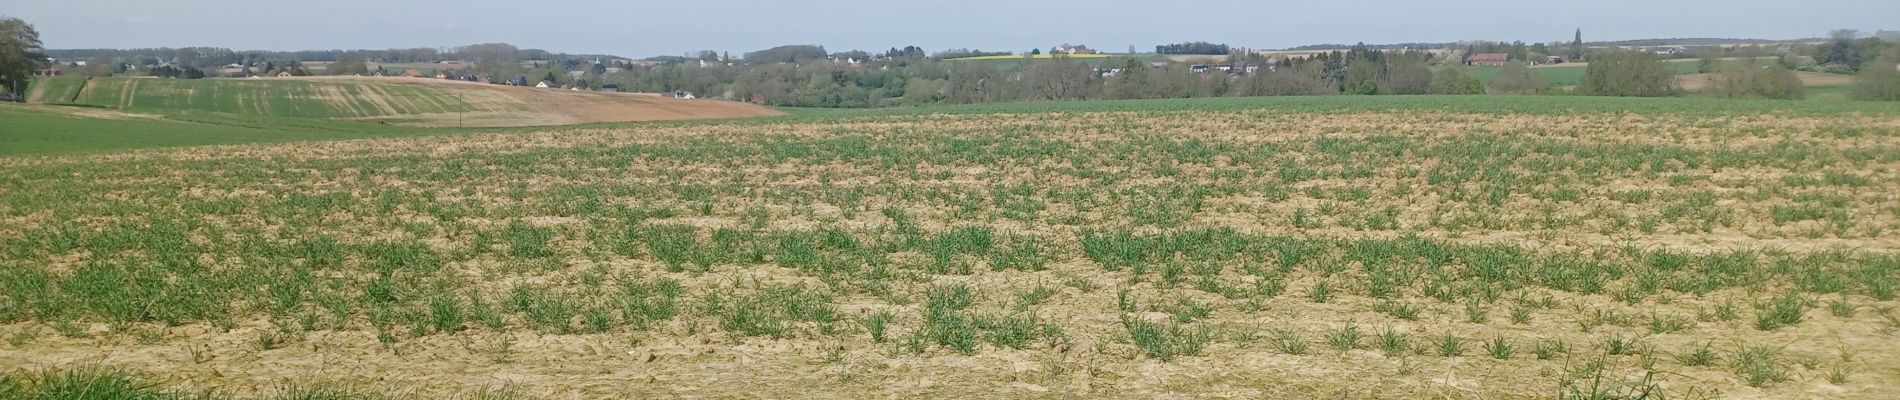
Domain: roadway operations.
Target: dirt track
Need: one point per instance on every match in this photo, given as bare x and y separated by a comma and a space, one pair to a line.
33, 96
535, 107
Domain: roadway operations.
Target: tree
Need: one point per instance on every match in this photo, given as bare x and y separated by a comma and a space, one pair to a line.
860, 55
1406, 74
974, 83
1455, 80
1576, 47
1200, 48
1627, 74
1880, 80
923, 92
348, 66
1516, 78
1307, 78
1213, 85
1061, 78
1842, 52
1362, 76
906, 52
791, 54
1132, 82
1708, 59
176, 72
497, 52
20, 56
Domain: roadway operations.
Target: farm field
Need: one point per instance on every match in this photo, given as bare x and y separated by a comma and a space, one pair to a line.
1035, 56
1696, 82
56, 89
1426, 247
57, 130
1569, 74
401, 101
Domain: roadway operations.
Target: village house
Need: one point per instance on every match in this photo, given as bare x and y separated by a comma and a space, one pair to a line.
1488, 59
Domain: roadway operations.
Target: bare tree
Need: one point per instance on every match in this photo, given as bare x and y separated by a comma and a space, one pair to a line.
1061, 78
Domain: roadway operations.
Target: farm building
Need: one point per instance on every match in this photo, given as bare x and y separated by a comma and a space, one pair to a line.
683, 95
48, 72
1490, 59
283, 74
610, 88
544, 84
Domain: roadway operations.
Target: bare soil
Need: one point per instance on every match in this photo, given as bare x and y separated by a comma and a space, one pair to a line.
1700, 81
539, 107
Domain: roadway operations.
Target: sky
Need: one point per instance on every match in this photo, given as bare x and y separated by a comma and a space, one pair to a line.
675, 27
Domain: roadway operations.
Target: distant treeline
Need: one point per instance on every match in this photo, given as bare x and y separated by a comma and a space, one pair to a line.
1696, 42
1192, 48
1393, 46
909, 80
1631, 43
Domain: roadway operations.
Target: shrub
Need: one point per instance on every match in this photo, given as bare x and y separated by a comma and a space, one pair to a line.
1745, 80
1516, 78
1627, 74
1455, 80
1880, 81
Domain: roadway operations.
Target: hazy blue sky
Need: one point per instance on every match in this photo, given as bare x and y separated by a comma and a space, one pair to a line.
645, 28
